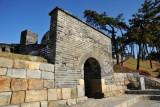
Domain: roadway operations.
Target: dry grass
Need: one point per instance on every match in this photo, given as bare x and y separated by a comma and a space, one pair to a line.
23, 57
144, 65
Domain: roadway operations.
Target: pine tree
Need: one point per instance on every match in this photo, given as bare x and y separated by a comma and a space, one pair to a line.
109, 24
143, 24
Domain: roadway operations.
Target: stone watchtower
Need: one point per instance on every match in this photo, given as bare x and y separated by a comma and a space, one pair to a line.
28, 39
81, 53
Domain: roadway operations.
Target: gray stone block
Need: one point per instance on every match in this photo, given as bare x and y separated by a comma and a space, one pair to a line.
47, 75
71, 101
33, 74
119, 88
113, 87
47, 67
124, 75
16, 73
81, 99
85, 98
129, 74
49, 84
44, 104
62, 102
32, 104
80, 91
119, 75
121, 79
66, 93
136, 74
117, 80
53, 104
3, 71
52, 94
36, 95
146, 79
5, 98
153, 83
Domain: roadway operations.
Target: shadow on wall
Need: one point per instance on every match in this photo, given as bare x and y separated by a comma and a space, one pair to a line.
92, 79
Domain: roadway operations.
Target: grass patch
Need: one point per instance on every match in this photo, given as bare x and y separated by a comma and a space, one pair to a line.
23, 57
144, 66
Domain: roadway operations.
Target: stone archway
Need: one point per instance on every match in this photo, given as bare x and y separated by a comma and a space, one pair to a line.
92, 78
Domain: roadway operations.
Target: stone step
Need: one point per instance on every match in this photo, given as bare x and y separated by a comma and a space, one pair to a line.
149, 92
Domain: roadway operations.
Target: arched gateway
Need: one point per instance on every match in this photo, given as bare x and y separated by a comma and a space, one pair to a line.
92, 78
79, 52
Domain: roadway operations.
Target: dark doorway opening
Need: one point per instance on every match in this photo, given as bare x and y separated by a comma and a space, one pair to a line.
92, 79
3, 49
11, 49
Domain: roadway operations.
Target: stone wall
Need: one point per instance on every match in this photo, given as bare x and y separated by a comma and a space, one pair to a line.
31, 84
152, 83
122, 82
73, 41
4, 47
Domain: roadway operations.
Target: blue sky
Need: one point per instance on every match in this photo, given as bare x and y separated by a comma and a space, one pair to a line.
19, 15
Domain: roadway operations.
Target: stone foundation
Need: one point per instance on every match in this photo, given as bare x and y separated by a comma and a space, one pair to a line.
31, 84
122, 82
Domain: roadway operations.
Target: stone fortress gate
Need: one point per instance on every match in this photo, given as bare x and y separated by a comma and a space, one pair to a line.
81, 54
79, 51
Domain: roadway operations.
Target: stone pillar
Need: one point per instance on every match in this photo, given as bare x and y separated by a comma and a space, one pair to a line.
27, 38
142, 83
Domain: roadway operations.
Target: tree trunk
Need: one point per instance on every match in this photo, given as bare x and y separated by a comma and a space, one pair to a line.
143, 53
133, 52
122, 58
138, 58
117, 58
149, 56
139, 43
131, 49
115, 45
116, 52
122, 49
159, 56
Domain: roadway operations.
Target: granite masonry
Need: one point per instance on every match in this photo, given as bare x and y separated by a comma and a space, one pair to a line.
32, 84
